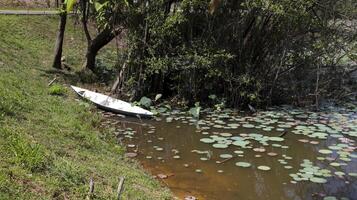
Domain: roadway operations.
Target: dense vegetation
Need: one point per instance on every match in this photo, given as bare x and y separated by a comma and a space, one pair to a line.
257, 52
51, 145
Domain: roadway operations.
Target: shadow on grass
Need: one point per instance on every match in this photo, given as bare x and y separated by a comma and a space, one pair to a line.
84, 76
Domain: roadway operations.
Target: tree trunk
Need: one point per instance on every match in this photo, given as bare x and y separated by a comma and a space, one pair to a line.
59, 41
90, 58
102, 39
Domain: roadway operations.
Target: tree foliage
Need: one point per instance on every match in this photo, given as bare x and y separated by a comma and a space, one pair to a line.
245, 51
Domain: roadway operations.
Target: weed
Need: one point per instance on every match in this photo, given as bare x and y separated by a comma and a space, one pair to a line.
29, 156
57, 89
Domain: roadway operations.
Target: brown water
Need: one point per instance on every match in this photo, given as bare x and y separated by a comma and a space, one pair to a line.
207, 179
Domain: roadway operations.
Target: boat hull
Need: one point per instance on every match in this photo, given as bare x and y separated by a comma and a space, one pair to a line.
110, 104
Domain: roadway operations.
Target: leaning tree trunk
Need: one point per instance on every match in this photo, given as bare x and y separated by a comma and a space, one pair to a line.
94, 45
102, 39
59, 41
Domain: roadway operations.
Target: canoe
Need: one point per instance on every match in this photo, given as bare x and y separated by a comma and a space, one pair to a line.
111, 104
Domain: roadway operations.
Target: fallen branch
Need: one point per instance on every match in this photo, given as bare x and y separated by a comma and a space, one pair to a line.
225, 160
284, 133
52, 81
91, 189
120, 186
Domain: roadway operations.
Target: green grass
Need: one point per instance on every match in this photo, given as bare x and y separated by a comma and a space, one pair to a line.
50, 145
57, 89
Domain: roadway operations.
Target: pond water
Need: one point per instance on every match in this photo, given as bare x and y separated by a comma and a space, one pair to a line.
271, 155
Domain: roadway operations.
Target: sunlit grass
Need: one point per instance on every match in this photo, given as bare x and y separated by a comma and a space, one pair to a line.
51, 144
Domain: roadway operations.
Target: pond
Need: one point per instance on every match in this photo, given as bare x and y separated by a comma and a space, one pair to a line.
283, 153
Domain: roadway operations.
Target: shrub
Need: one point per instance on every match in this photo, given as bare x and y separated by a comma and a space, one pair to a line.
58, 90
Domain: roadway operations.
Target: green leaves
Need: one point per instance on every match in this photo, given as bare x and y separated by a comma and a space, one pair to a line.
70, 4
146, 102
195, 111
98, 6
157, 97
126, 2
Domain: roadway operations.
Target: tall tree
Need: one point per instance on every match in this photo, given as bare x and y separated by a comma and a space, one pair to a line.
60, 36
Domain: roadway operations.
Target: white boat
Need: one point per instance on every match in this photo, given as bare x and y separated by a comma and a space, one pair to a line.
111, 104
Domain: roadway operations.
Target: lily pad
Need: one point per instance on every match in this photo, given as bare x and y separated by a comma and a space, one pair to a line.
225, 156
243, 164
260, 149
353, 174
329, 198
159, 149
264, 168
207, 140
272, 154
325, 151
198, 170
335, 164
220, 146
276, 139
318, 180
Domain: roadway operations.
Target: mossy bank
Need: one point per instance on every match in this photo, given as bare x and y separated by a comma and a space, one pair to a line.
51, 144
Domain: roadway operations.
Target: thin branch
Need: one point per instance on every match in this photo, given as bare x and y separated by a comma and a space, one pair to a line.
120, 186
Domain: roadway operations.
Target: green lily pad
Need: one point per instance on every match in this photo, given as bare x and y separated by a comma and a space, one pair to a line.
226, 134
338, 173
325, 151
320, 158
225, 156
329, 198
276, 145
238, 152
335, 164
207, 140
159, 149
241, 143
353, 174
276, 139
248, 126
243, 164
335, 147
220, 146
264, 168
318, 180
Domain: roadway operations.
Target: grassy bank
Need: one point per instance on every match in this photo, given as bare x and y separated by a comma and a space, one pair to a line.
51, 145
